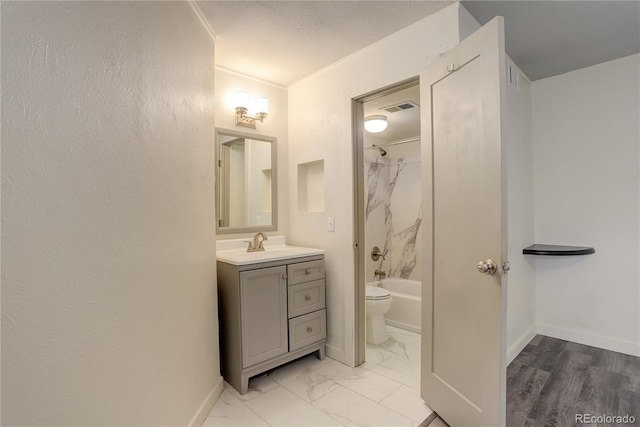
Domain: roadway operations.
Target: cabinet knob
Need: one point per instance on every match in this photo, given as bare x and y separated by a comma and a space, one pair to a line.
309, 329
308, 298
307, 271
284, 277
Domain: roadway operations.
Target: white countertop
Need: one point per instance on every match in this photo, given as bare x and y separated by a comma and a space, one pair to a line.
234, 251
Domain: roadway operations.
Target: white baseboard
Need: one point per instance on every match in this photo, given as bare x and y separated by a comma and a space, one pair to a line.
612, 344
207, 405
521, 343
402, 325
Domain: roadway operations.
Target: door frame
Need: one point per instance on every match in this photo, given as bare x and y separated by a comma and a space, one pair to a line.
359, 251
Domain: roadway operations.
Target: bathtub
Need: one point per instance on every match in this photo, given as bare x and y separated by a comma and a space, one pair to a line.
406, 307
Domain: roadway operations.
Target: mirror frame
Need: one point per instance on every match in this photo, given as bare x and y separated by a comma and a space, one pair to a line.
274, 182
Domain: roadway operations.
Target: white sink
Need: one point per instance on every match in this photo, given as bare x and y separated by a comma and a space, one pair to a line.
271, 253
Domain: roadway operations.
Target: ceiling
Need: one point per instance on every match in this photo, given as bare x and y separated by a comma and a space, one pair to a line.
403, 124
284, 41
547, 38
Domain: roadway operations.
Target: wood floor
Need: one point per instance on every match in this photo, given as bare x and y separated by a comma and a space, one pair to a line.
552, 380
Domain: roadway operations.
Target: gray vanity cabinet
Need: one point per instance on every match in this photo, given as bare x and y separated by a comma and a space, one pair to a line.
263, 304
270, 313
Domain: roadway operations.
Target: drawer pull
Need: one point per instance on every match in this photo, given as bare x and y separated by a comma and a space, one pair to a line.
309, 329
284, 277
307, 271
307, 298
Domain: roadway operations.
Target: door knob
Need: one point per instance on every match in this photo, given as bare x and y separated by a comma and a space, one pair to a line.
487, 267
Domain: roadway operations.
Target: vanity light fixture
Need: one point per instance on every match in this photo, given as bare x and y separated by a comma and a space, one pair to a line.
375, 124
261, 106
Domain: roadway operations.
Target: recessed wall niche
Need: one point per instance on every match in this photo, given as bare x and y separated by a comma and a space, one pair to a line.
311, 186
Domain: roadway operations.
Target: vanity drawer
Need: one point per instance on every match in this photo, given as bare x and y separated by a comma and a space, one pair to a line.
305, 272
307, 329
306, 297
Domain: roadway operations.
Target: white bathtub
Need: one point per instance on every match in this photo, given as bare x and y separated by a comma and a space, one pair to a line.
406, 308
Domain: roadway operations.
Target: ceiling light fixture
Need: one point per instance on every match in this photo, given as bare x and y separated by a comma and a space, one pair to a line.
241, 103
375, 124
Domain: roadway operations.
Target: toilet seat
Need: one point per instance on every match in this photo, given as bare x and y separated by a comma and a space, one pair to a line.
376, 293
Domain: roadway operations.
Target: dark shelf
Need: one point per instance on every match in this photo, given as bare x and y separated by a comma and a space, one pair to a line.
557, 250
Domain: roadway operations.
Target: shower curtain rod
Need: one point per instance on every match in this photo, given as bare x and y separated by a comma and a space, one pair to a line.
398, 142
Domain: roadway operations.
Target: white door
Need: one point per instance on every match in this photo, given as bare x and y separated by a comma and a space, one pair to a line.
464, 310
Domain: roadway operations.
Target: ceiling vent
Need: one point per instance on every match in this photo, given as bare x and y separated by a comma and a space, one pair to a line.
402, 106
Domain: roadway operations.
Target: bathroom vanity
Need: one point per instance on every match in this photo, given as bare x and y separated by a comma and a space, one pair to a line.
271, 307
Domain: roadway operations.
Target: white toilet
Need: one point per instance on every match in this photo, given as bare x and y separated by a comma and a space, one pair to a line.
378, 303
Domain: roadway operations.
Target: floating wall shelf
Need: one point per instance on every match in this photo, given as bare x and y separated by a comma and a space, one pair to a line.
557, 250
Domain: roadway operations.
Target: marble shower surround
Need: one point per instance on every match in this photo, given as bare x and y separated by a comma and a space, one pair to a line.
393, 215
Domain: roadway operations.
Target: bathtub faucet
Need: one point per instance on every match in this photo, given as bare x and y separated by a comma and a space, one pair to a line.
380, 273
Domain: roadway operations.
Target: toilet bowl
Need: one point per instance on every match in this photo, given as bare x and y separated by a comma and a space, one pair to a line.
378, 302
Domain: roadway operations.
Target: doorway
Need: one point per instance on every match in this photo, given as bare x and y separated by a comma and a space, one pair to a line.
387, 221
462, 373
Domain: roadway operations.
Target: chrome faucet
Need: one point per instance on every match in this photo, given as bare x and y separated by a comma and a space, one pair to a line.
257, 245
380, 273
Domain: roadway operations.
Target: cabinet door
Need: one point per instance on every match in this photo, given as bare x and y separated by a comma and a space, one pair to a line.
263, 296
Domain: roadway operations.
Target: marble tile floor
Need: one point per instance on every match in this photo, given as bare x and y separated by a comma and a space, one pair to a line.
384, 391
437, 422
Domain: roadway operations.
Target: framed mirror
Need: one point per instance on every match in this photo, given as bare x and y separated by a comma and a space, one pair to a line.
246, 187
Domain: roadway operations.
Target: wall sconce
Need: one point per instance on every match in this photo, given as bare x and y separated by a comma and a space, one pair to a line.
241, 102
375, 124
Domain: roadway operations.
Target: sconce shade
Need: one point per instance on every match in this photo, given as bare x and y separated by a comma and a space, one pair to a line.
241, 99
262, 105
375, 124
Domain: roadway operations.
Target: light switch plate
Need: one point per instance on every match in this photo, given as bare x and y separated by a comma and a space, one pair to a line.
331, 223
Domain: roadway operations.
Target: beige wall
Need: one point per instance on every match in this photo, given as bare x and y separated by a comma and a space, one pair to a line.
109, 312
275, 125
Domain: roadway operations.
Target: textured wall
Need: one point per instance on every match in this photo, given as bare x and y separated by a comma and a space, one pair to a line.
109, 312
585, 134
